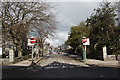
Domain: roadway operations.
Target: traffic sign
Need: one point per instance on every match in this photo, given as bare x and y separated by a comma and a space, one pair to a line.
86, 41
32, 38
31, 41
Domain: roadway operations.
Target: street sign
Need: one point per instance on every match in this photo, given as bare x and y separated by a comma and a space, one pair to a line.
31, 41
32, 38
86, 41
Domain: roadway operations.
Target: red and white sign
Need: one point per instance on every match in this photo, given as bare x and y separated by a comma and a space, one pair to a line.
86, 41
31, 41
33, 38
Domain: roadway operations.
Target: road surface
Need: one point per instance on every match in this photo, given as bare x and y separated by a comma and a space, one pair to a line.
59, 66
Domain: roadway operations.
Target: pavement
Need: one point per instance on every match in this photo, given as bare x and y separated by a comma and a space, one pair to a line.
27, 62
93, 62
99, 63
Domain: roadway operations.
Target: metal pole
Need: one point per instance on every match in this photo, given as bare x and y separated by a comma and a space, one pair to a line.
84, 53
32, 54
42, 49
42, 46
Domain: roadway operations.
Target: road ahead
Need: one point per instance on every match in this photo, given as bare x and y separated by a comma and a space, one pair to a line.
59, 66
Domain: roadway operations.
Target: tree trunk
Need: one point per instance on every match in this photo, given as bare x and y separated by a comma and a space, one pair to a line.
3, 39
19, 51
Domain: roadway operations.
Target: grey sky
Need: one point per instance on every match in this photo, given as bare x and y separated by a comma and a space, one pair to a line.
70, 14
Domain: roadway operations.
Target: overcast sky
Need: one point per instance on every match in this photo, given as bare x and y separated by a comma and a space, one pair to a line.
70, 14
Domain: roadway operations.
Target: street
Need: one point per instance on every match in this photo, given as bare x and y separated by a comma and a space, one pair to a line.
60, 39
59, 66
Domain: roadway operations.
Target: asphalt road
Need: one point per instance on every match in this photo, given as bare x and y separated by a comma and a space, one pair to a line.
53, 68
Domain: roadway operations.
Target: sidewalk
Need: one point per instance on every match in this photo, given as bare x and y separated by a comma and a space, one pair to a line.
94, 62
26, 62
99, 63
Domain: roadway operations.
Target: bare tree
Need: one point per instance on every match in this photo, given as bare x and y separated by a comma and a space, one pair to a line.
19, 18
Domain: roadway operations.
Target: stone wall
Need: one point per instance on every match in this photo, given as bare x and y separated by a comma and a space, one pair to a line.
113, 57
118, 57
4, 61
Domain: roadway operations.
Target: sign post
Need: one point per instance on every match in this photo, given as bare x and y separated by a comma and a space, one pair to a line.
84, 54
32, 54
85, 42
31, 42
